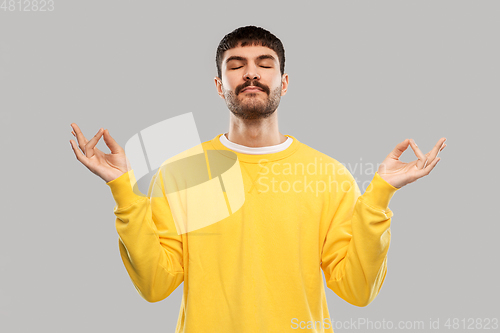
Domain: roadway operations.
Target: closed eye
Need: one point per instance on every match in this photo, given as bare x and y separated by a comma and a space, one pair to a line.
242, 66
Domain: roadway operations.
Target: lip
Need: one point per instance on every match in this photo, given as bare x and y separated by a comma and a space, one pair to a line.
251, 89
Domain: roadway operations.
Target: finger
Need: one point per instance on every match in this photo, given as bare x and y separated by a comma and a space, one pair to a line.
89, 147
440, 149
435, 151
428, 169
79, 156
442, 145
111, 143
421, 157
82, 141
400, 148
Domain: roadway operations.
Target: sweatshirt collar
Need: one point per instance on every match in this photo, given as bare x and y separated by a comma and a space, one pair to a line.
259, 158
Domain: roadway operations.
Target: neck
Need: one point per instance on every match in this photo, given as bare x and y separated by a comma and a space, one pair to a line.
255, 132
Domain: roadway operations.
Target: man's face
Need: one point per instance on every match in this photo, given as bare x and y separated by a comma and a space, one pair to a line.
251, 82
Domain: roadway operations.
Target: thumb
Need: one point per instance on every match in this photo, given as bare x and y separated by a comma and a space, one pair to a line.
111, 143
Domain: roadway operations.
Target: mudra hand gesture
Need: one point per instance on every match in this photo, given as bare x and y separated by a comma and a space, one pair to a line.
398, 173
107, 166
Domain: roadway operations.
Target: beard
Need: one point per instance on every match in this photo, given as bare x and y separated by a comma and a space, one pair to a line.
251, 105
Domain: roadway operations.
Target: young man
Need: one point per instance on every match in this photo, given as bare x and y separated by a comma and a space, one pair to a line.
259, 269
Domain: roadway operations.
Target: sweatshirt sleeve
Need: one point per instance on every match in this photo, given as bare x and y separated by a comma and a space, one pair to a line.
150, 247
354, 256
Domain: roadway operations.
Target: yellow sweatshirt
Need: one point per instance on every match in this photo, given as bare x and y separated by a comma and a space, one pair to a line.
259, 268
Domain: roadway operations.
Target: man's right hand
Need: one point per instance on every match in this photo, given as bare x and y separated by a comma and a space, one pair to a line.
106, 166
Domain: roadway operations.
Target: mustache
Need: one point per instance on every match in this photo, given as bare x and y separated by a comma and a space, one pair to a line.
252, 83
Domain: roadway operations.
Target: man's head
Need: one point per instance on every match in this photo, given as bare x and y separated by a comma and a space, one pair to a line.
251, 57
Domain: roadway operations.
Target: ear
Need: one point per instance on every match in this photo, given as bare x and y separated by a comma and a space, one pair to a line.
218, 85
284, 82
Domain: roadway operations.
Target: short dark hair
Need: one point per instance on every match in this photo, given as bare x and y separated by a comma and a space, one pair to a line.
250, 35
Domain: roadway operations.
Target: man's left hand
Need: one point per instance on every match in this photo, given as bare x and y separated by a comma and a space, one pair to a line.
398, 173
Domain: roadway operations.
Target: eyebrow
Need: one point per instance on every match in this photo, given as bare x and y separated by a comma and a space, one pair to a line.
261, 57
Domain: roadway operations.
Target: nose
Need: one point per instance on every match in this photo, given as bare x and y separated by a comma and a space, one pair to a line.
251, 75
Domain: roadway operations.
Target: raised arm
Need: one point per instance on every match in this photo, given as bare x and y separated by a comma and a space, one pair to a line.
150, 247
354, 257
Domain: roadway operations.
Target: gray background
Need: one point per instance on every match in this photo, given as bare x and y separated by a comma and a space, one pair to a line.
364, 75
